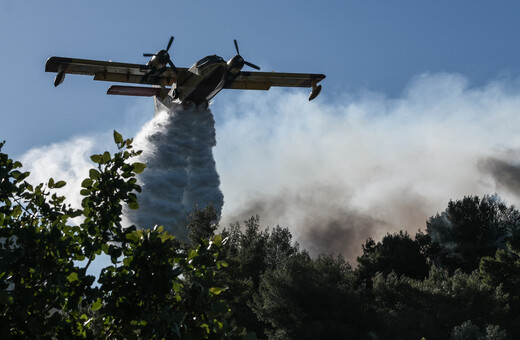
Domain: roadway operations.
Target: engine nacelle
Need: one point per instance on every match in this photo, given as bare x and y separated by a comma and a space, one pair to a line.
235, 64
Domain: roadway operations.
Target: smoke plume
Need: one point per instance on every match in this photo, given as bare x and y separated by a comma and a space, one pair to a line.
362, 165
181, 175
505, 170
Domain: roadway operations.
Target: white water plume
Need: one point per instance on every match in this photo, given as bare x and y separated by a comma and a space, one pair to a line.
180, 175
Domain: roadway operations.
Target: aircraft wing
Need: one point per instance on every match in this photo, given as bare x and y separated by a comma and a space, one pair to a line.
112, 71
264, 80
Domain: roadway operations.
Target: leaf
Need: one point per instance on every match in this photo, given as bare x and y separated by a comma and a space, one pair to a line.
133, 236
73, 277
87, 182
94, 174
127, 261
19, 176
15, 174
217, 240
176, 286
166, 237
106, 157
96, 158
60, 184
138, 167
118, 138
96, 305
133, 205
216, 290
17, 211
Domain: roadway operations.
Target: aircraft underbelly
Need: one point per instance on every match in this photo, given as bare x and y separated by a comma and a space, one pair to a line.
208, 87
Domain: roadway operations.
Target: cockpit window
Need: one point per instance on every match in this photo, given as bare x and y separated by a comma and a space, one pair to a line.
209, 59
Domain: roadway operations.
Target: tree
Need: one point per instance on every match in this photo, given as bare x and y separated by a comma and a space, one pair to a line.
410, 309
202, 224
468, 331
503, 270
45, 291
395, 253
304, 298
249, 253
470, 229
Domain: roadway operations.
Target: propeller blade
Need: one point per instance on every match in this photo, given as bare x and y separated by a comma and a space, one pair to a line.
236, 46
172, 66
170, 43
148, 54
251, 65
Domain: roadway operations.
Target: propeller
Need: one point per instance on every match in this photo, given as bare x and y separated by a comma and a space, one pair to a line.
169, 43
245, 62
163, 57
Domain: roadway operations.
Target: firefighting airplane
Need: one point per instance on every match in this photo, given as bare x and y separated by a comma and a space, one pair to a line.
198, 84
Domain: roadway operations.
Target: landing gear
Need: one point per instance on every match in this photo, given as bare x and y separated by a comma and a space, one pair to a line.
175, 93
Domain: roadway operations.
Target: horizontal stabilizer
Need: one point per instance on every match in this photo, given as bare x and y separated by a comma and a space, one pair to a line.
134, 91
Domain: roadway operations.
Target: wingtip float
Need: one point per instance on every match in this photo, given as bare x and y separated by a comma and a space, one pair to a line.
197, 84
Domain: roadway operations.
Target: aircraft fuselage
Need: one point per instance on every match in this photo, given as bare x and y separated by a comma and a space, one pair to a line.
204, 80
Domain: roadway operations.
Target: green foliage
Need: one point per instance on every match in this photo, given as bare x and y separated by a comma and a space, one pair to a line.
202, 224
470, 229
396, 253
504, 271
154, 288
304, 298
41, 288
146, 295
249, 253
468, 331
282, 293
432, 307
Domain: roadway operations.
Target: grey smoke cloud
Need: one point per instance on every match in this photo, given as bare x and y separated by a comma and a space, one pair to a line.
67, 160
393, 162
322, 222
505, 171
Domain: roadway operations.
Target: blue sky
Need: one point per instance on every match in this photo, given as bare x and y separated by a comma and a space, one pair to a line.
360, 45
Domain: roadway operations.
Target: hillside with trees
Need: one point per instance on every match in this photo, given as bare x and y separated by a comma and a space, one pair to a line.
459, 279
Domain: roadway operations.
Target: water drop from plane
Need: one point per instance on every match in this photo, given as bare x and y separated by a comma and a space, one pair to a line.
181, 174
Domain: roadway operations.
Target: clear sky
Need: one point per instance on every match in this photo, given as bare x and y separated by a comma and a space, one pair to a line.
359, 45
421, 103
